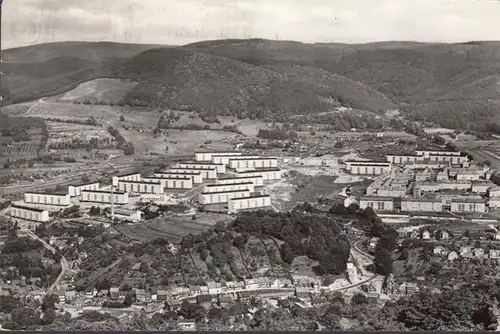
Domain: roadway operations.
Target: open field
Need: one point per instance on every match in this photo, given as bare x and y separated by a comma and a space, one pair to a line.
171, 228
106, 90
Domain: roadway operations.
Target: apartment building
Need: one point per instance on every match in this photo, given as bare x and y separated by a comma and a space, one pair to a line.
185, 182
377, 203
249, 163
442, 176
62, 199
224, 159
130, 215
207, 156
402, 159
258, 181
248, 203
126, 177
29, 213
368, 167
244, 185
209, 174
468, 205
222, 196
427, 153
481, 186
76, 190
195, 176
421, 205
104, 196
494, 191
220, 168
268, 174
153, 187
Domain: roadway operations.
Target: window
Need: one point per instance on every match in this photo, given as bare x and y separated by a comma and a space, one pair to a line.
59, 201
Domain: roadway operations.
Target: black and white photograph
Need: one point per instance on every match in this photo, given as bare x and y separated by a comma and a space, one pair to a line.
250, 165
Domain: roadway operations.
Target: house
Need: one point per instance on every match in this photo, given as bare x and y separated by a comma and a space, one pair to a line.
187, 325
214, 288
113, 293
246, 295
204, 300
443, 235
61, 295
162, 295
373, 242
229, 285
372, 289
70, 296
411, 288
239, 285
181, 291
225, 300
12, 272
140, 295
251, 284
494, 254
301, 292
90, 292
464, 250
102, 294
439, 250
478, 252
426, 235
263, 282
452, 256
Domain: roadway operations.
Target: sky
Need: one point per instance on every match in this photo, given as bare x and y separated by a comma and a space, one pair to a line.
179, 22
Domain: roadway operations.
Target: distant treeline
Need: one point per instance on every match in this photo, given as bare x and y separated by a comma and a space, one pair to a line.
121, 143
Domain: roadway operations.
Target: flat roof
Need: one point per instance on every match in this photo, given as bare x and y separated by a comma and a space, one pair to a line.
215, 152
130, 174
254, 196
225, 191
103, 191
139, 182
412, 199
402, 155
468, 200
52, 193
16, 206
225, 185
371, 164
166, 178
193, 168
367, 161
178, 173
241, 177
199, 163
257, 158
260, 170
375, 198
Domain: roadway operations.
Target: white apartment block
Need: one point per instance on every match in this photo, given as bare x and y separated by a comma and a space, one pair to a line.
77, 190
402, 159
221, 196
213, 188
442, 176
126, 177
104, 196
425, 164
421, 205
368, 168
258, 181
47, 199
209, 174
494, 191
468, 205
155, 198
28, 213
224, 159
220, 168
427, 154
141, 187
377, 203
195, 176
391, 191
468, 176
451, 159
185, 182
207, 156
259, 162
494, 202
481, 187
250, 202
267, 174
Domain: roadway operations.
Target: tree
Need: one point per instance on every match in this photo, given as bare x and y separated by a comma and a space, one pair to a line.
339, 144
122, 118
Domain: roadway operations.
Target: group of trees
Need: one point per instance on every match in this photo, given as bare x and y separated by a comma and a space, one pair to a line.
122, 144
277, 134
75, 143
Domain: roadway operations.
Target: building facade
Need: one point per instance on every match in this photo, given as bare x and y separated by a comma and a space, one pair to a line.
421, 205
28, 213
267, 174
207, 156
47, 199
195, 176
221, 196
209, 174
130, 215
141, 187
468, 205
481, 187
75, 191
250, 202
185, 182
126, 177
249, 163
104, 196
377, 203
258, 181
220, 168
212, 188
402, 159
224, 159
368, 167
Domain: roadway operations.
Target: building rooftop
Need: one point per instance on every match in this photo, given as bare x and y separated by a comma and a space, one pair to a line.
178, 173
203, 163
224, 192
117, 192
257, 158
192, 168
81, 184
241, 177
253, 196
376, 198
468, 200
138, 182
52, 193
129, 174
165, 178
225, 185
16, 206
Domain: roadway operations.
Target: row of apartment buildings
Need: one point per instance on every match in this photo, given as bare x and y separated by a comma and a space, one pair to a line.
463, 204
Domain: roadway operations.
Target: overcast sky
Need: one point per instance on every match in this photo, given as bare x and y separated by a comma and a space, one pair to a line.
178, 22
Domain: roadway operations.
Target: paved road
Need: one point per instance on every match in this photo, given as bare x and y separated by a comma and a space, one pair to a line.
64, 261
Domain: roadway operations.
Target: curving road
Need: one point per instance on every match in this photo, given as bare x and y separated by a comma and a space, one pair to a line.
64, 261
